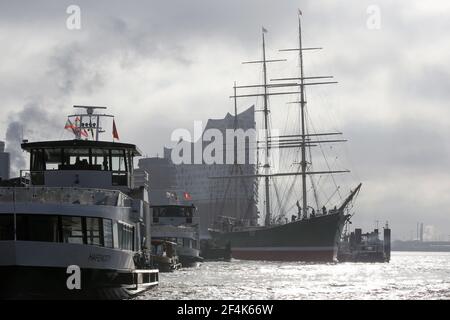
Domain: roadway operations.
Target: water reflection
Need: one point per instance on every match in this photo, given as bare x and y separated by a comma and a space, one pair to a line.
409, 275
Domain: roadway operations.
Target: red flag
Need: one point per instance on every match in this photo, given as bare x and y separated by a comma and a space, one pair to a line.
187, 196
115, 133
69, 125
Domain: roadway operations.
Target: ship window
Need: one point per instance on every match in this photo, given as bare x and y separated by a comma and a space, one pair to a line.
37, 160
118, 160
79, 162
155, 215
93, 231
53, 159
189, 213
119, 166
158, 249
72, 229
100, 159
6, 227
187, 243
37, 228
130, 161
78, 159
67, 229
108, 233
51, 166
126, 236
174, 211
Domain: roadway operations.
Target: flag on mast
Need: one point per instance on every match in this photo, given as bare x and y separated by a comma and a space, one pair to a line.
76, 130
90, 128
115, 133
299, 12
264, 30
69, 126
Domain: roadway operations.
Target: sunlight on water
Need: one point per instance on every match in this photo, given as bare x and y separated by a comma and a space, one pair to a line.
409, 275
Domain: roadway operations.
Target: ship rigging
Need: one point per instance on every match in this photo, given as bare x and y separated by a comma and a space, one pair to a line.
303, 140
310, 236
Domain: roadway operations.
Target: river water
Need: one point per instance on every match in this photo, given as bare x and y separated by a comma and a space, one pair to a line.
409, 275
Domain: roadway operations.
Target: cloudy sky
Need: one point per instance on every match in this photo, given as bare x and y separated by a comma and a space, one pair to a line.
160, 65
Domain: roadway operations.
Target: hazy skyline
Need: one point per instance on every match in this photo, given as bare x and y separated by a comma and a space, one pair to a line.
161, 65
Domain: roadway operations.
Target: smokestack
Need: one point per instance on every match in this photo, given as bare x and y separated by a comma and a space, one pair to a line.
387, 242
421, 232
4, 162
358, 234
417, 231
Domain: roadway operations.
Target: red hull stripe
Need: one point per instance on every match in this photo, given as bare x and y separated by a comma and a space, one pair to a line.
320, 255
330, 248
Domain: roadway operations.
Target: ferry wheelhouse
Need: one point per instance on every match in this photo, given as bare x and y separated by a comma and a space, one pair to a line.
76, 226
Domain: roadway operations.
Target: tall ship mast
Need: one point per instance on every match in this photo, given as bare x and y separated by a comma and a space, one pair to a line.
314, 234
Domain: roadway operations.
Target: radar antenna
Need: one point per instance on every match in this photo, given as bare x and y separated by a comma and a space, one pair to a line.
89, 122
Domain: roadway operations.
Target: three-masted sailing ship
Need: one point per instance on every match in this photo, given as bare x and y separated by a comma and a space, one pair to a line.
313, 234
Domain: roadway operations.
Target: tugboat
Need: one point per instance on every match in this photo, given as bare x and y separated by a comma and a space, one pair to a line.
76, 227
178, 223
365, 247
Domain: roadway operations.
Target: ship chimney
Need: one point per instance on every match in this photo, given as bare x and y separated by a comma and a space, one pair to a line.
4, 162
421, 232
387, 242
417, 231
358, 234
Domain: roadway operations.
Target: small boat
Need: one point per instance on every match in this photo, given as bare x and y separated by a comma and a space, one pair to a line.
365, 247
164, 255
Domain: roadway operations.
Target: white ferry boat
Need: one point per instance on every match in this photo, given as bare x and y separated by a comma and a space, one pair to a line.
76, 226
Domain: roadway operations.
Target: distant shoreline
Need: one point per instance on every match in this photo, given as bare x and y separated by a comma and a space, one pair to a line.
423, 246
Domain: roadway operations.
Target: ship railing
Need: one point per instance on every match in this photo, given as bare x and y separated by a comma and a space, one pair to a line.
66, 195
29, 178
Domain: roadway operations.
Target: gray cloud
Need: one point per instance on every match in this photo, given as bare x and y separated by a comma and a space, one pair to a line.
34, 122
68, 69
429, 83
412, 146
13, 137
